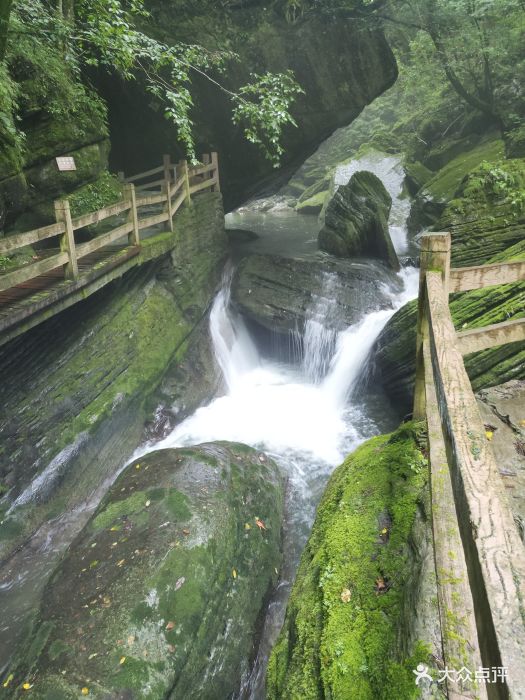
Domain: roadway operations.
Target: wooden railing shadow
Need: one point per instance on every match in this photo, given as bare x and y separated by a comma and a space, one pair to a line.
479, 556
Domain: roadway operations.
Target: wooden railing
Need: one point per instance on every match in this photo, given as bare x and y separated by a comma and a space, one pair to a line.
174, 187
480, 558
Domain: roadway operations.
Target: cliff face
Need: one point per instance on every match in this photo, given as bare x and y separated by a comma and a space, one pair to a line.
341, 64
79, 388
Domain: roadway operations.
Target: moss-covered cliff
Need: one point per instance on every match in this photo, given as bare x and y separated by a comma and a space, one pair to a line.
346, 634
78, 389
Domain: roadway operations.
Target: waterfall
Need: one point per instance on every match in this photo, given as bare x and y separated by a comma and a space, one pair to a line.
320, 336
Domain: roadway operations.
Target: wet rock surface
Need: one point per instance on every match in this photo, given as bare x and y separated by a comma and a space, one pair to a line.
356, 221
160, 593
278, 293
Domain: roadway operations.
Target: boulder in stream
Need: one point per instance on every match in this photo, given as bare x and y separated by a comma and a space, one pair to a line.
356, 220
160, 594
280, 294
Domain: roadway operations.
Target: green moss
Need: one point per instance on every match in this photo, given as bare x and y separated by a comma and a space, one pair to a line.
107, 189
445, 183
128, 506
340, 636
177, 504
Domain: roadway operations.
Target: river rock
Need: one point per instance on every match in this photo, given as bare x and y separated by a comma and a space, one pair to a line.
356, 220
160, 593
280, 294
361, 614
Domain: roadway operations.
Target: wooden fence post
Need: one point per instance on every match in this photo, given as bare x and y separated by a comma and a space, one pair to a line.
129, 194
435, 255
67, 239
215, 161
185, 174
166, 188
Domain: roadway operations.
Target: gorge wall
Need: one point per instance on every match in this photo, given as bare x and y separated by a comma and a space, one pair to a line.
79, 388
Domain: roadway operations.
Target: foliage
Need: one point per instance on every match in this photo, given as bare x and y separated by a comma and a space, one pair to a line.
266, 111
105, 33
95, 195
479, 47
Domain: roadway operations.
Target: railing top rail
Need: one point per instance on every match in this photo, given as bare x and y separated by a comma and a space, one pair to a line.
463, 279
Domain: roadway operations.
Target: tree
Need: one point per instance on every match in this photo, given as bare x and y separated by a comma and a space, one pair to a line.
5, 11
105, 33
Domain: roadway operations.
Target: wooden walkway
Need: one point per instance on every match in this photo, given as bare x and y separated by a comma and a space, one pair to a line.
479, 554
56, 279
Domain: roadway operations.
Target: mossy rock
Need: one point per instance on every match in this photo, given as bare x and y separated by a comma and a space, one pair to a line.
443, 185
343, 636
312, 205
488, 213
160, 593
356, 220
394, 354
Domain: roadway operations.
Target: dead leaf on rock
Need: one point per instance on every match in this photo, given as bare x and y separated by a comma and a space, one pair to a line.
180, 583
260, 524
346, 594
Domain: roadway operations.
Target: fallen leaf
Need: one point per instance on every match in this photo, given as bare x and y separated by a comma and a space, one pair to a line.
148, 503
122, 659
489, 434
384, 531
346, 594
92, 656
247, 526
8, 680
85, 691
234, 573
171, 648
276, 571
186, 532
115, 528
27, 686
381, 586
131, 639
180, 583
260, 524
137, 466
114, 544
93, 564
170, 626
121, 562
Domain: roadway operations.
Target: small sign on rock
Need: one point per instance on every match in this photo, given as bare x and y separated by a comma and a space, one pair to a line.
66, 163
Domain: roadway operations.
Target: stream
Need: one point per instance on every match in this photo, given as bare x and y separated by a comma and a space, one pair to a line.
307, 413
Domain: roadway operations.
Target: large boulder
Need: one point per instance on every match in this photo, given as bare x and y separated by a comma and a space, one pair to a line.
160, 594
356, 220
280, 294
394, 353
361, 614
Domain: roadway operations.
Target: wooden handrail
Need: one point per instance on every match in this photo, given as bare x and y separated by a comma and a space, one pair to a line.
175, 191
463, 279
461, 454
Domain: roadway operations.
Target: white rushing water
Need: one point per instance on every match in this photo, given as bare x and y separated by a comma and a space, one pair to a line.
305, 415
